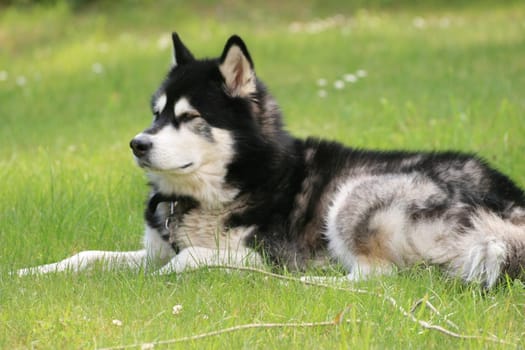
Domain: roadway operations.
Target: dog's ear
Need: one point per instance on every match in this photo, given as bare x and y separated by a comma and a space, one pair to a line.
236, 67
181, 55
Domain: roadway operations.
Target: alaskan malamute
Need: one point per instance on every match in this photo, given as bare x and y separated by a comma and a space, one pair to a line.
229, 186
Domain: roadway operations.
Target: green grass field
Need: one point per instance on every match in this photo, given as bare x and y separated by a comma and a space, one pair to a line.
74, 89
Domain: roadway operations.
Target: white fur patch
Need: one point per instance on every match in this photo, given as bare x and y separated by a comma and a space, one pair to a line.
86, 259
183, 106
170, 150
336, 242
184, 162
160, 104
159, 252
484, 249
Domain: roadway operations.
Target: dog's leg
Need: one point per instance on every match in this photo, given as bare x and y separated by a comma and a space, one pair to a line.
197, 257
157, 252
83, 260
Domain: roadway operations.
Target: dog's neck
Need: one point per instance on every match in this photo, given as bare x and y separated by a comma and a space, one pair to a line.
184, 202
211, 192
178, 206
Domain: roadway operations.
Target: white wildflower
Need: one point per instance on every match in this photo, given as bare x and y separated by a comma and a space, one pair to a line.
322, 93
321, 82
176, 309
339, 84
419, 22
350, 78
147, 346
97, 68
361, 73
21, 80
164, 42
117, 323
318, 25
3, 75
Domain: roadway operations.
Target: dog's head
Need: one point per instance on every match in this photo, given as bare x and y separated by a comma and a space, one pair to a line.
203, 111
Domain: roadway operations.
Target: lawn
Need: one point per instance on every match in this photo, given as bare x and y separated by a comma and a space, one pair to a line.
75, 83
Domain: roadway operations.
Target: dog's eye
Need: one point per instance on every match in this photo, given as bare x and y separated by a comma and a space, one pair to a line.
188, 116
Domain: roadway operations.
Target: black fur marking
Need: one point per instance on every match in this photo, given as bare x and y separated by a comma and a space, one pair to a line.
181, 54
158, 221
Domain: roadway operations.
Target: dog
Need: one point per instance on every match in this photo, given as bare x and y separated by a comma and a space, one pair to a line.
230, 186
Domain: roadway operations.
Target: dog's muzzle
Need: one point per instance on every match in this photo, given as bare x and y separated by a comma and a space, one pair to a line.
140, 146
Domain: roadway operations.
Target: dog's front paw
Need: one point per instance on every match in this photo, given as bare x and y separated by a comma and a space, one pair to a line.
187, 259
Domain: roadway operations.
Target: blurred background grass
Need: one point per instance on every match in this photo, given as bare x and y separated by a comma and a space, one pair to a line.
75, 83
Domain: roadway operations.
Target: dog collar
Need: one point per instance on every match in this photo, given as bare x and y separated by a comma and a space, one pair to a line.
178, 207
170, 219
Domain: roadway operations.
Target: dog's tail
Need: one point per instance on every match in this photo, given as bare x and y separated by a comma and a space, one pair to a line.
492, 248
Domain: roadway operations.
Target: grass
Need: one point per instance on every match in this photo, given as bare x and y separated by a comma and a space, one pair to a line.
75, 87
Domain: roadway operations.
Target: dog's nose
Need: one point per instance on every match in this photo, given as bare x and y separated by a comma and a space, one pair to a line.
140, 146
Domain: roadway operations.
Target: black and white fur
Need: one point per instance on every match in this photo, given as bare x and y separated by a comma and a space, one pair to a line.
230, 186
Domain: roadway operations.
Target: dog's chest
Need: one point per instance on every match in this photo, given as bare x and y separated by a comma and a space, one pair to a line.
201, 227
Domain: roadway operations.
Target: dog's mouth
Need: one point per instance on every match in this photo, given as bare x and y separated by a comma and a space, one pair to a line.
143, 163
185, 166
146, 164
